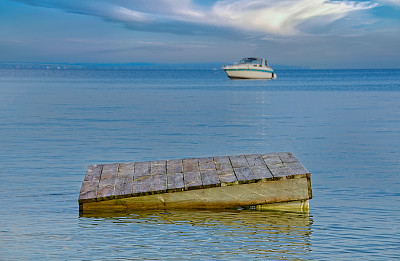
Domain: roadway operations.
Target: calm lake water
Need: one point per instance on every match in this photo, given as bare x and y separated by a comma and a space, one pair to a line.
343, 125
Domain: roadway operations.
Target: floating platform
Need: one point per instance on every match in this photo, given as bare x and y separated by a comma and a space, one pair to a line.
259, 181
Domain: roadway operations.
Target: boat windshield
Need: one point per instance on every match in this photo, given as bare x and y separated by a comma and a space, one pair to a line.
251, 61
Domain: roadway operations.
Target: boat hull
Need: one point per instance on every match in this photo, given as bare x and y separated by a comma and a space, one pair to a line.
249, 74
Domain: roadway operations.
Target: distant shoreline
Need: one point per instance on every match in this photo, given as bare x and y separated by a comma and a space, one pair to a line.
126, 66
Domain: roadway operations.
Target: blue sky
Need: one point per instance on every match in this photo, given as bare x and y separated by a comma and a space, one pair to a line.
314, 33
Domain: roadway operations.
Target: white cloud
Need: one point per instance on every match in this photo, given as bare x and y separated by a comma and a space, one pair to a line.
128, 15
283, 17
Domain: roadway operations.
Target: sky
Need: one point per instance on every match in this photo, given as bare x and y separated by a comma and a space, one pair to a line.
307, 33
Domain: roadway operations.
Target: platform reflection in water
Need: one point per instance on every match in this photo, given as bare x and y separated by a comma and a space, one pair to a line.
202, 234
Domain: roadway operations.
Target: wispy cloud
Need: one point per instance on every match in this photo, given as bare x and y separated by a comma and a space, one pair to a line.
391, 2
284, 17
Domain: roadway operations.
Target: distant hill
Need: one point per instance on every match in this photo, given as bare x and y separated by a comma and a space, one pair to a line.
289, 67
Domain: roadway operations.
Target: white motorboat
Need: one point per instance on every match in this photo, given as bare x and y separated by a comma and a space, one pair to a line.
250, 68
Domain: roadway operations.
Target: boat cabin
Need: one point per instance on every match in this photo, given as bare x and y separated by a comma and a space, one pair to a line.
254, 61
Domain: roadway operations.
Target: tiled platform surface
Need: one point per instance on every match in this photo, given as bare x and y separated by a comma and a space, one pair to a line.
177, 183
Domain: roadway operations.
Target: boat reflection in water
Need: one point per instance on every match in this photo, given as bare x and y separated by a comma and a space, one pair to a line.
250, 68
205, 234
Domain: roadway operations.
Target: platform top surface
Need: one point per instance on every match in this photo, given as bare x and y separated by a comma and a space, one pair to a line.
108, 181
